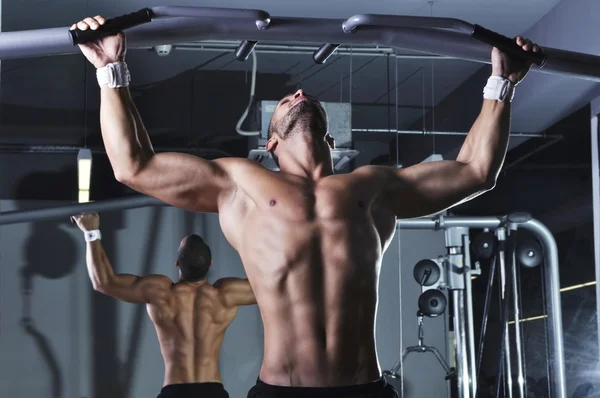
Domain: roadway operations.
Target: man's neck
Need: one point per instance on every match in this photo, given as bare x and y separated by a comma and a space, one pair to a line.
193, 283
308, 160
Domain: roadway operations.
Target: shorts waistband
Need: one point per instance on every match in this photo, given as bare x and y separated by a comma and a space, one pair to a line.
358, 390
192, 389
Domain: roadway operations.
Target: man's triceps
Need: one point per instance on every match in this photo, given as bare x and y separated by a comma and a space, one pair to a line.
183, 181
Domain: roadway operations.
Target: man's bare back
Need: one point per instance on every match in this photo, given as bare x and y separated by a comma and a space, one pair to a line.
311, 241
190, 323
190, 316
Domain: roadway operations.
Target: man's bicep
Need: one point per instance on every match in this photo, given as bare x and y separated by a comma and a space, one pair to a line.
183, 181
429, 188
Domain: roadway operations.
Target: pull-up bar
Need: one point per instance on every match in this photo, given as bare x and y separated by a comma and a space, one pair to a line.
476, 31
171, 25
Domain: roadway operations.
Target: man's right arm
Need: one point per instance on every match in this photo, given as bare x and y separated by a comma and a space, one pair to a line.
235, 292
181, 180
178, 179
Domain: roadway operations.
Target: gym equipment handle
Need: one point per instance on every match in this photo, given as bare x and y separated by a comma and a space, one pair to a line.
111, 26
507, 45
118, 24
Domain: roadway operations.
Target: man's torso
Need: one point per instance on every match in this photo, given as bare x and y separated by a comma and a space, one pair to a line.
190, 324
312, 252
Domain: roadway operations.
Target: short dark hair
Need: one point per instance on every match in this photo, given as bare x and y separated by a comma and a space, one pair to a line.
194, 258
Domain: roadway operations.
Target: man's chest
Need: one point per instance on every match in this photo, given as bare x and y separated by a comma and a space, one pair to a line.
295, 206
328, 199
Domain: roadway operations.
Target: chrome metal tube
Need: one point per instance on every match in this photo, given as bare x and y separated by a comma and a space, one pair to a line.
553, 306
520, 360
469, 320
459, 133
504, 352
462, 369
443, 222
596, 207
65, 211
504, 253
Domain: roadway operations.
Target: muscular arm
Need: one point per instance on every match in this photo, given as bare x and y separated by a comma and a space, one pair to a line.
126, 287
180, 180
429, 188
235, 291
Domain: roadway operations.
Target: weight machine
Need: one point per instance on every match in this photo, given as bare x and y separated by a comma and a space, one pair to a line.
453, 273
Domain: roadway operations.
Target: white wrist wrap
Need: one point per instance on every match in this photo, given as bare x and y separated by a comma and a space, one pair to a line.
91, 236
114, 75
499, 89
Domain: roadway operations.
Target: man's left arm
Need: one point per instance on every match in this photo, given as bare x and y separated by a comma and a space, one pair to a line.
127, 287
429, 188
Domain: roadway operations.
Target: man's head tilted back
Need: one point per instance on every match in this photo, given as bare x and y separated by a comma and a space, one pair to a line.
298, 117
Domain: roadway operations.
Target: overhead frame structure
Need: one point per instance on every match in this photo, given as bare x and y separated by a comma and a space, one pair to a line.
171, 25
552, 282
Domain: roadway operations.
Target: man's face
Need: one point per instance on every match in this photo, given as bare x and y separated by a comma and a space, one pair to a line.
299, 113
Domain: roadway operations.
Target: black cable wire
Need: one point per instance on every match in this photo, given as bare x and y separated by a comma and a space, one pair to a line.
486, 308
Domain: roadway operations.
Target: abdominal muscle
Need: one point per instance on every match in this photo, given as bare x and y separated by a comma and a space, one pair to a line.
316, 286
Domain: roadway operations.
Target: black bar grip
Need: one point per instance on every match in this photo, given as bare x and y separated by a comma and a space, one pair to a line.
507, 45
244, 50
324, 52
111, 26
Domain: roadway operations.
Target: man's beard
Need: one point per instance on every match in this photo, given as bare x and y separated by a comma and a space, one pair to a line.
306, 117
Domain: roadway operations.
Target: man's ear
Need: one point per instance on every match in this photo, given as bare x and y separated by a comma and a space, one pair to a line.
271, 144
330, 141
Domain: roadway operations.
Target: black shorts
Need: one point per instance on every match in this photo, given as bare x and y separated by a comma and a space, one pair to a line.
377, 389
193, 390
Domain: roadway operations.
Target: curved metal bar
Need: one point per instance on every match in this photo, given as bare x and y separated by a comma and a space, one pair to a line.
478, 32
356, 21
553, 304
262, 18
54, 41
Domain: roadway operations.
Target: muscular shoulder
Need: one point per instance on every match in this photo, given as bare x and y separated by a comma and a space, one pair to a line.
239, 173
160, 282
236, 166
158, 289
373, 176
242, 171
225, 283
